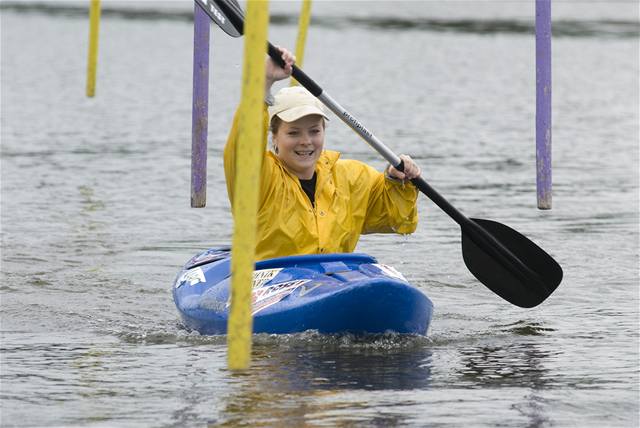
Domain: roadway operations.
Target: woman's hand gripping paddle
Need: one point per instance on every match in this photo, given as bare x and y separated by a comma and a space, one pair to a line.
504, 260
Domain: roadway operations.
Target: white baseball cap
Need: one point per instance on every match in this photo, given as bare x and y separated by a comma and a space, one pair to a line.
294, 102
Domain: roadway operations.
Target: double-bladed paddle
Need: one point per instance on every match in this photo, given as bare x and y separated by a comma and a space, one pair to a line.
504, 260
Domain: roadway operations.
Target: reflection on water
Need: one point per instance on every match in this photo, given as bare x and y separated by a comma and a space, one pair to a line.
302, 377
337, 362
520, 364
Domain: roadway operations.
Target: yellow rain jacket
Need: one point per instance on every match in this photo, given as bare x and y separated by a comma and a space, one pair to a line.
351, 198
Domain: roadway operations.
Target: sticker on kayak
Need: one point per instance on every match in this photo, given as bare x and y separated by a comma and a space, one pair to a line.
390, 271
272, 294
192, 276
264, 297
261, 277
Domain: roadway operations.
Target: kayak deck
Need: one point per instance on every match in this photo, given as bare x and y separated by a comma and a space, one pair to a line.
330, 293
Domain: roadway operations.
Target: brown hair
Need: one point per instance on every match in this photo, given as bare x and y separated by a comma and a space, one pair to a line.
275, 124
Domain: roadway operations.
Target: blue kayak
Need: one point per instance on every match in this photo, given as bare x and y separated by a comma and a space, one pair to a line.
330, 293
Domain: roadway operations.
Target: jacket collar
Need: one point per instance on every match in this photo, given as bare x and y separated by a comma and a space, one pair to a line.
326, 161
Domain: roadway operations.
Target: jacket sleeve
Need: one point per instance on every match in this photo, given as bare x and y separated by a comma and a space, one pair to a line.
231, 160
391, 205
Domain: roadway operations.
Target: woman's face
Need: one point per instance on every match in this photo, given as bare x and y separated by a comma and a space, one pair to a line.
300, 144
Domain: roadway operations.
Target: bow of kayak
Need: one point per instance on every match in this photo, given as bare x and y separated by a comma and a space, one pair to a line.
332, 293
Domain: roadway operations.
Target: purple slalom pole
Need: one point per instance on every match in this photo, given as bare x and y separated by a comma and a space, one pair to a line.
200, 111
543, 103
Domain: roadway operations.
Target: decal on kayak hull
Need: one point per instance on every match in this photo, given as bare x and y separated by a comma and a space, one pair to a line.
192, 276
261, 277
268, 295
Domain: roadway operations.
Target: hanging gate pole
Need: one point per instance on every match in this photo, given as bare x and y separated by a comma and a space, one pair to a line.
92, 62
250, 150
303, 27
543, 103
200, 109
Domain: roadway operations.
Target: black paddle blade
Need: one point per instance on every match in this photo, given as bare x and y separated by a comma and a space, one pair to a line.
219, 16
526, 286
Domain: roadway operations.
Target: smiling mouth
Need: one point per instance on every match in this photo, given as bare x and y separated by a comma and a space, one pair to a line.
304, 152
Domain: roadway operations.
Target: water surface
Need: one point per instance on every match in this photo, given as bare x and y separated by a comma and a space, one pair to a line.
96, 220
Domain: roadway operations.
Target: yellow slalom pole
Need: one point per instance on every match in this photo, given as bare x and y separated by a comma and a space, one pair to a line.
94, 27
249, 152
303, 26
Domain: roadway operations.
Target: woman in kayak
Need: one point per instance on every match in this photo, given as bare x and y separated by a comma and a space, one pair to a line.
311, 201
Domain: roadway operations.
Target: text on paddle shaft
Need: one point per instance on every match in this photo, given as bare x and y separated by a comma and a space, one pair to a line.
216, 13
357, 125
